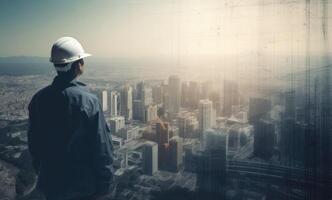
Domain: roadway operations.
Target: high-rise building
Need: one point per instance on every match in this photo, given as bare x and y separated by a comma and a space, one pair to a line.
138, 110
162, 138
140, 87
216, 104
150, 113
104, 103
127, 102
185, 94
114, 103
206, 89
157, 94
188, 124
205, 115
174, 94
129, 133
234, 143
258, 108
117, 123
150, 158
165, 96
290, 108
264, 139
175, 154
292, 141
211, 169
143, 93
230, 97
193, 94
162, 132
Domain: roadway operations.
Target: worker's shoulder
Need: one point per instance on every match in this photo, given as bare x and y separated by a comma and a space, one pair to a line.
40, 92
80, 95
35, 100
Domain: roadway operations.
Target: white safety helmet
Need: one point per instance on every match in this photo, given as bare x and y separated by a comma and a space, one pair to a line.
66, 50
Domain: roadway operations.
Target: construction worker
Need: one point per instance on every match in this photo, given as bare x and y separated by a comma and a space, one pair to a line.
68, 137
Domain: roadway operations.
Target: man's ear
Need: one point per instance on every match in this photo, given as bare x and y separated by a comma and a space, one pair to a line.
79, 69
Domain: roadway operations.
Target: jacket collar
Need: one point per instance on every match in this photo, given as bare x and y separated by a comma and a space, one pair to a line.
63, 82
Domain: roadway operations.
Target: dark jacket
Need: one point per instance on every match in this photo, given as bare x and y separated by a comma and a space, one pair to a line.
69, 141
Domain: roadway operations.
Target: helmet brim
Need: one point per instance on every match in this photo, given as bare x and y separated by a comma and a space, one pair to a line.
73, 59
85, 55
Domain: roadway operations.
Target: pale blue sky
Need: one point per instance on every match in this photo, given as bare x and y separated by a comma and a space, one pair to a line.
135, 28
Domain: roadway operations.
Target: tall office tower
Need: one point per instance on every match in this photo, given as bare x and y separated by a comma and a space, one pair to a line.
185, 94
204, 116
147, 97
114, 97
138, 110
116, 124
143, 93
193, 94
165, 96
157, 94
140, 87
211, 169
206, 90
150, 113
292, 141
150, 158
104, 103
162, 132
234, 143
290, 104
175, 154
127, 102
216, 104
258, 108
324, 133
174, 94
162, 138
264, 139
187, 124
230, 97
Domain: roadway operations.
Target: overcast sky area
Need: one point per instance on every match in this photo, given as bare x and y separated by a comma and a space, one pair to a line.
162, 28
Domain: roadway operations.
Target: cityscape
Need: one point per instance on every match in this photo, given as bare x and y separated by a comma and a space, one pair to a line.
193, 137
212, 100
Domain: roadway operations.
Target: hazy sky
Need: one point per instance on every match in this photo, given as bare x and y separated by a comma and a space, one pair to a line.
136, 28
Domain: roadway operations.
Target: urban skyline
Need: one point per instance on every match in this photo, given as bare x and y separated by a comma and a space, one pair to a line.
215, 99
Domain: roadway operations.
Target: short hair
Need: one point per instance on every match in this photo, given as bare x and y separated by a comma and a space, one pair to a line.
73, 65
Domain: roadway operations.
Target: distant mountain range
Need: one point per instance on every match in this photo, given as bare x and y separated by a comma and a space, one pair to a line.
23, 59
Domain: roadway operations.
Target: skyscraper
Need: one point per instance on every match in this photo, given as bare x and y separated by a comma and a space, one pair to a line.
114, 96
150, 113
264, 139
290, 106
162, 132
205, 115
258, 108
138, 110
157, 94
175, 154
188, 124
174, 94
150, 158
211, 169
143, 93
104, 103
206, 89
162, 137
127, 102
231, 97
116, 123
185, 94
193, 94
